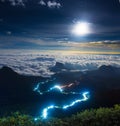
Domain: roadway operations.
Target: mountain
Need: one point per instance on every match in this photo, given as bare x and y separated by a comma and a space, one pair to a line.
16, 88
103, 84
105, 77
59, 67
5, 71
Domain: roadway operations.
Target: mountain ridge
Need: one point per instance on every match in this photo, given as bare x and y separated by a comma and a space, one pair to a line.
102, 83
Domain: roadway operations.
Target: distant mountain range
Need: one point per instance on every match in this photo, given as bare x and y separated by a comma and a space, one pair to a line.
104, 76
103, 83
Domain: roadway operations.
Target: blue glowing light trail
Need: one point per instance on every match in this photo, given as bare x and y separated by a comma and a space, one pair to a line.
59, 88
45, 110
37, 88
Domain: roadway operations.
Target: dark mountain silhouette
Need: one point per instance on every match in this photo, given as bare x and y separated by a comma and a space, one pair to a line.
7, 70
58, 67
16, 88
107, 71
103, 83
104, 77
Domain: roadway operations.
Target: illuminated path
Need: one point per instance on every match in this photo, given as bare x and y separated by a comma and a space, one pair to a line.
66, 106
45, 110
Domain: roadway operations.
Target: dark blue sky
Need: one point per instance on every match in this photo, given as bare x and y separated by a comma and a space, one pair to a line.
30, 23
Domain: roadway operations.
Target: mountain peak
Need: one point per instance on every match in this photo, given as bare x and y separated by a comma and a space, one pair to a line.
106, 68
58, 67
7, 70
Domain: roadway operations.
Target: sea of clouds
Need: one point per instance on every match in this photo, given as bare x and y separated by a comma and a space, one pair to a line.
39, 63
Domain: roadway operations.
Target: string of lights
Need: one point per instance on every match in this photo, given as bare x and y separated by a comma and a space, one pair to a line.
45, 111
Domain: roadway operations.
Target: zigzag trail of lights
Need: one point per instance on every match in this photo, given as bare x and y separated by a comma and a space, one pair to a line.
59, 88
37, 88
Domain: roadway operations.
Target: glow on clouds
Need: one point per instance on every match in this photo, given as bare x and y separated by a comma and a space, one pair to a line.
39, 63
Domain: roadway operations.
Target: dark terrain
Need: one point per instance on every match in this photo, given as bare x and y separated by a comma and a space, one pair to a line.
16, 91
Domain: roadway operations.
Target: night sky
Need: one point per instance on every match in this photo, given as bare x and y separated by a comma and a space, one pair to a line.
47, 24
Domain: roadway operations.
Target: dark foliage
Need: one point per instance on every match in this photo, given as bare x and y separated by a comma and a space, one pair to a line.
92, 117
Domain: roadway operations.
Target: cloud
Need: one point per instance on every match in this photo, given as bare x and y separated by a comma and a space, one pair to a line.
38, 63
112, 44
105, 44
53, 4
42, 3
16, 2
50, 4
8, 32
12, 40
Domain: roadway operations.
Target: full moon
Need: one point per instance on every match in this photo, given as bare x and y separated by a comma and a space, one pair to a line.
81, 28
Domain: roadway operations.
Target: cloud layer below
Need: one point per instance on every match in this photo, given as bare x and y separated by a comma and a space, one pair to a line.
38, 63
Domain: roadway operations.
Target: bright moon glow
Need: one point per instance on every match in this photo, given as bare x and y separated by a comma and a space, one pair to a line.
81, 28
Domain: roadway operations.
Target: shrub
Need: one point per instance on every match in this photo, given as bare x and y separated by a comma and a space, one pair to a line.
93, 117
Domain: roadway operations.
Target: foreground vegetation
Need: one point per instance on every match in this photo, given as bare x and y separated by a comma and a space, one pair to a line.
93, 117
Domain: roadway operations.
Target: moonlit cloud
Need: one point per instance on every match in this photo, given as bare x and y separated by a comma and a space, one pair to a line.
105, 44
8, 32
36, 41
39, 63
53, 4
49, 3
16, 2
42, 3
111, 44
